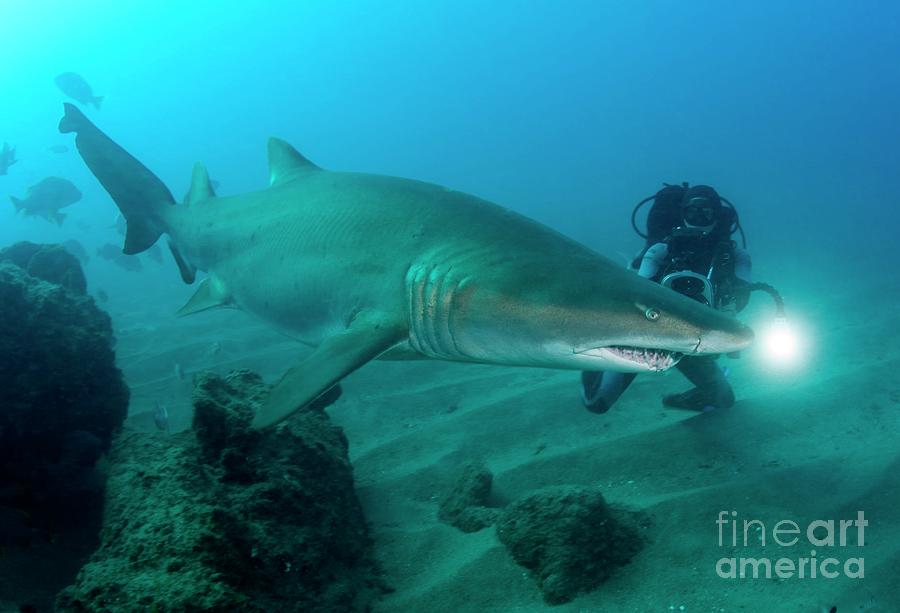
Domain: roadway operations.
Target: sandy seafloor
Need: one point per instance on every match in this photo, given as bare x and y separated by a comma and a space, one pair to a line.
818, 443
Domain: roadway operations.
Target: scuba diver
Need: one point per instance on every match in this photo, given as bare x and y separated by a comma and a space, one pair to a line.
688, 249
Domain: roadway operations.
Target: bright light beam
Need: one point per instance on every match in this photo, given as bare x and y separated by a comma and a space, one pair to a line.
781, 344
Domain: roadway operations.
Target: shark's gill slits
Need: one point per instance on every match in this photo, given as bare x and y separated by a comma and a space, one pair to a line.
431, 292
655, 359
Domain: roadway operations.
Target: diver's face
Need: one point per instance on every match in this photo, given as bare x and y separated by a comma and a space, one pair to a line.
699, 212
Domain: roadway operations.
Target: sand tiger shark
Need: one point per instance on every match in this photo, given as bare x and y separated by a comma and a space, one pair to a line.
361, 266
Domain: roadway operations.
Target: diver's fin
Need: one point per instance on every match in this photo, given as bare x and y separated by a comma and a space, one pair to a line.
201, 188
139, 194
208, 296
188, 272
286, 163
365, 339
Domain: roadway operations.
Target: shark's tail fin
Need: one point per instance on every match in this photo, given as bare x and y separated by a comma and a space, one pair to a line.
143, 199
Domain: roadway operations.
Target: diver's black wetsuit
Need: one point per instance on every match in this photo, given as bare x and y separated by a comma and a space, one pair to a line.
711, 388
707, 253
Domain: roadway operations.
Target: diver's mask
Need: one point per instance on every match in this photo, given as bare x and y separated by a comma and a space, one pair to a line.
700, 213
690, 284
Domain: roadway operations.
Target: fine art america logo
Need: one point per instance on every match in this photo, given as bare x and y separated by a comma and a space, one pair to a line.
825, 548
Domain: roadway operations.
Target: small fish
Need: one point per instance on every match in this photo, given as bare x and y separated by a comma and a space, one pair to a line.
215, 348
114, 254
74, 86
46, 197
7, 158
179, 372
57, 149
76, 249
161, 417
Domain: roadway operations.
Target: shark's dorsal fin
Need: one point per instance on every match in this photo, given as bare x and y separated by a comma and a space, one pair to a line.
209, 295
286, 163
201, 188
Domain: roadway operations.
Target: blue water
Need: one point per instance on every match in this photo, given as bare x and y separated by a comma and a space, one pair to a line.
569, 112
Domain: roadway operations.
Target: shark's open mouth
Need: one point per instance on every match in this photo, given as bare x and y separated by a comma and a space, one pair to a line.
654, 359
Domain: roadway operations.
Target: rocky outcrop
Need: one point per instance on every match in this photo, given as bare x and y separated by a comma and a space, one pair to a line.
226, 518
570, 539
52, 263
466, 506
61, 401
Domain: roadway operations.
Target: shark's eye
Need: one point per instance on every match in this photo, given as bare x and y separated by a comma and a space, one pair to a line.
651, 314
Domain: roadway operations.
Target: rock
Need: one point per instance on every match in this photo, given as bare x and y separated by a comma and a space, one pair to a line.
61, 400
473, 519
52, 263
569, 538
465, 507
226, 518
57, 365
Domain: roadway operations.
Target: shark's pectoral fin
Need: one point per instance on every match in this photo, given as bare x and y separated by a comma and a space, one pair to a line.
339, 355
402, 352
209, 295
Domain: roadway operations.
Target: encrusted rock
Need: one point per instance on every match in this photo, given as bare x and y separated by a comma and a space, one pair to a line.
465, 507
61, 400
52, 263
569, 538
226, 518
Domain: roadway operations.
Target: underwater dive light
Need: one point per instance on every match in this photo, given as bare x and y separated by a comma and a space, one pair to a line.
780, 341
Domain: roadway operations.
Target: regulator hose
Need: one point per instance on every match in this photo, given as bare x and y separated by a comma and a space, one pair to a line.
779, 301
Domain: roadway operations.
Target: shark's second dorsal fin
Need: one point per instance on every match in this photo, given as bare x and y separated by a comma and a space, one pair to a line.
286, 163
201, 188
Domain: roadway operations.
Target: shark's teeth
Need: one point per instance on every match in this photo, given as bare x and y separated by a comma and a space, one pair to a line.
654, 359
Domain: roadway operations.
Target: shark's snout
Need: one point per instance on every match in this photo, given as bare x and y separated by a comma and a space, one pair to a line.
725, 341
